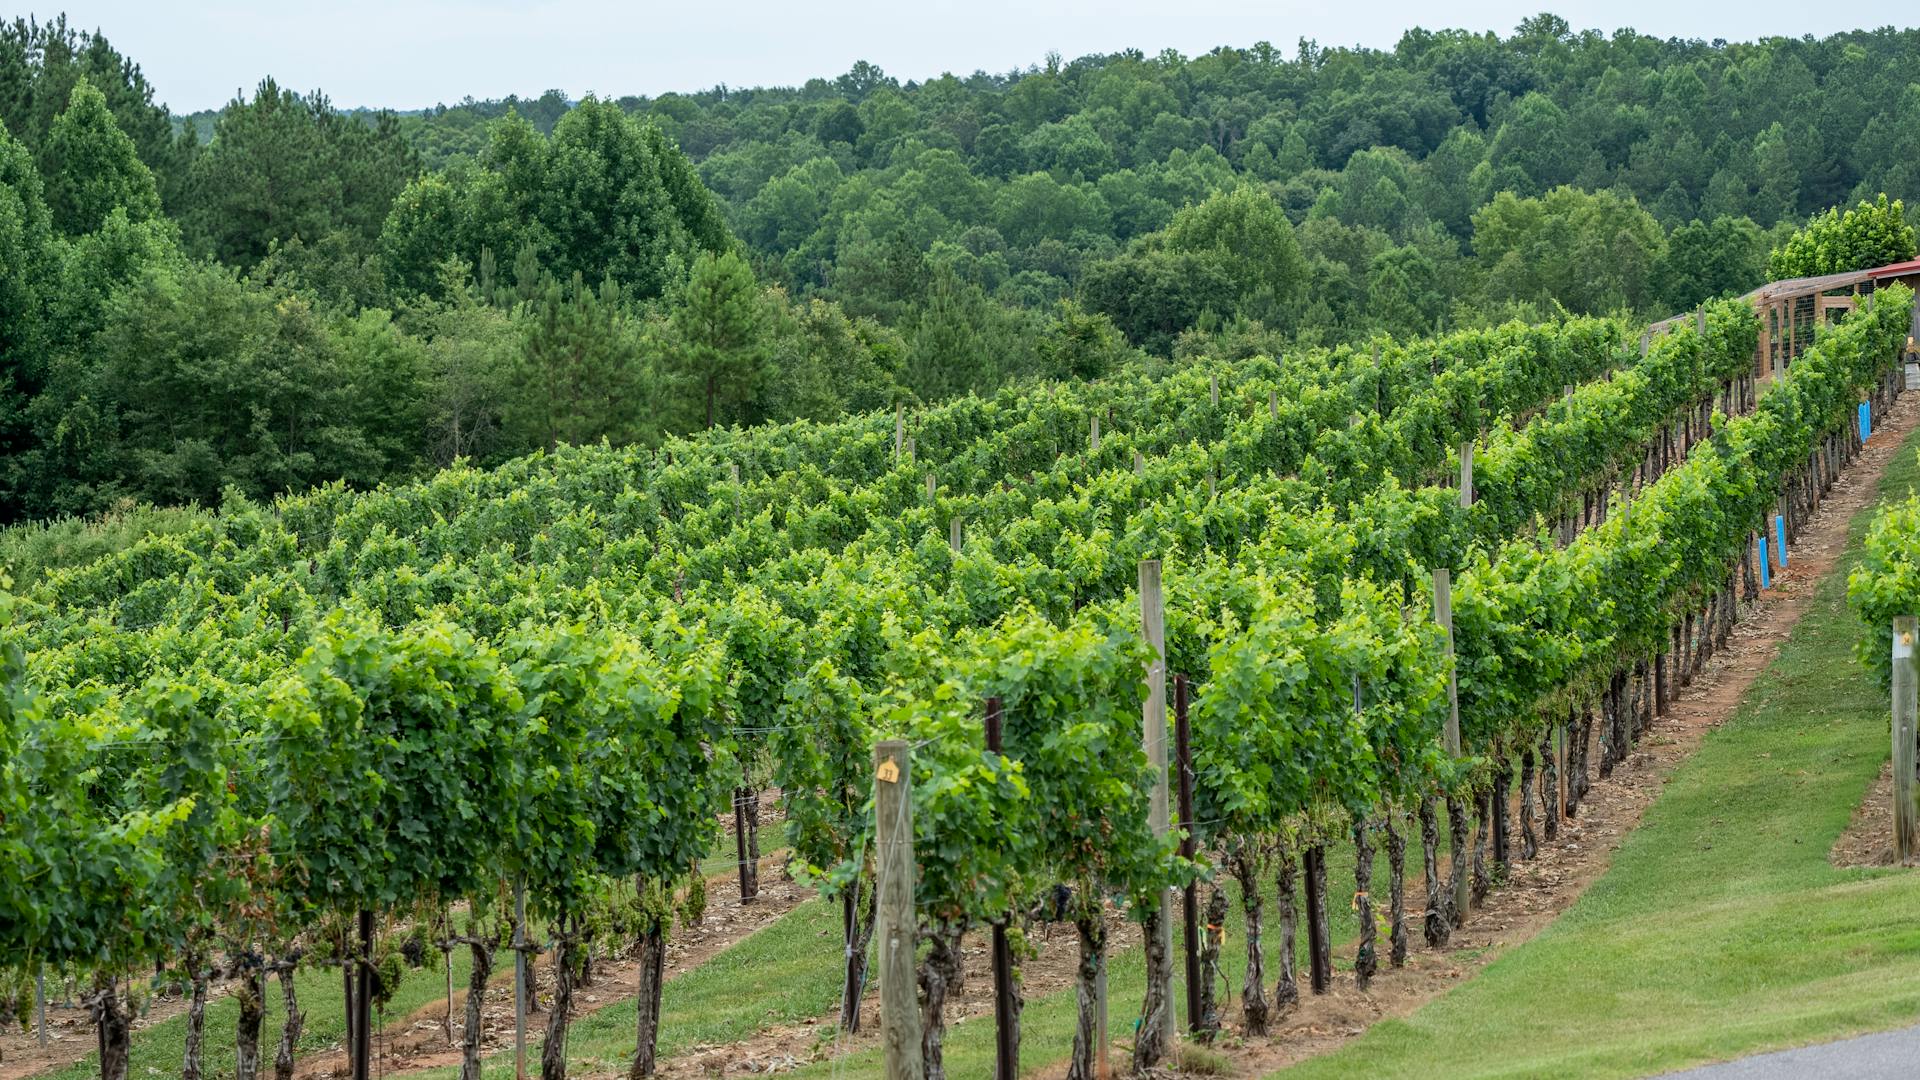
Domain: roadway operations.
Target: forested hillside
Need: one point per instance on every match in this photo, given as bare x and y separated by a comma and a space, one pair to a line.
1392, 168
282, 293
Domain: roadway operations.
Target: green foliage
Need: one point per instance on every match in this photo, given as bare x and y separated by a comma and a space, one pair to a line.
30, 552
611, 780
605, 196
1234, 254
578, 376
392, 778
284, 165
717, 341
1710, 261
1886, 583
92, 168
1079, 345
1589, 253
1871, 234
549, 669
41, 64
25, 247
194, 382
824, 364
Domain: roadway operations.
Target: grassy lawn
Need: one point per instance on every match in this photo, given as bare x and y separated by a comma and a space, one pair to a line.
1721, 929
1047, 1022
783, 973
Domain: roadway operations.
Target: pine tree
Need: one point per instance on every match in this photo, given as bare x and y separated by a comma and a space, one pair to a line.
26, 255
719, 343
579, 378
92, 167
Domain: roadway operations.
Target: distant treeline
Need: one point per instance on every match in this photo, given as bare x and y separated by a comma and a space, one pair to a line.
282, 293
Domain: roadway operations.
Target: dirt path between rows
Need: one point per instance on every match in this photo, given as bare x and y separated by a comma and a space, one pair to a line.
70, 1034
419, 1041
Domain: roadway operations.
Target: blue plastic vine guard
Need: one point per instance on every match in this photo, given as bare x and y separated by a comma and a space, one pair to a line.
1780, 535
1766, 575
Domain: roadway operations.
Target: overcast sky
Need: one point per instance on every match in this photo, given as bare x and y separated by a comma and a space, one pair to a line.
414, 53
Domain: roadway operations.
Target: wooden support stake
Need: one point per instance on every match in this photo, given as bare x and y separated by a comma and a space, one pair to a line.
1466, 474
1139, 464
953, 533
1154, 723
740, 846
1183, 765
1006, 1031
1443, 614
521, 980
1273, 403
1093, 440
896, 925
931, 487
1319, 946
1101, 1069
899, 429
1213, 384
361, 1064
1905, 707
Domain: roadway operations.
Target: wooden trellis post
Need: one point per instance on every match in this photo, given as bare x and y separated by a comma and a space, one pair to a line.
1443, 614
1190, 930
1006, 1020
1154, 734
1905, 813
896, 929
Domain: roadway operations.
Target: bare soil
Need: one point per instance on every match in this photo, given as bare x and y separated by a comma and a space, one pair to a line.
70, 1034
1051, 967
1868, 840
420, 1040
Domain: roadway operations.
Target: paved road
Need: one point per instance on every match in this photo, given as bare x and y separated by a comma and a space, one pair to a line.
1885, 1056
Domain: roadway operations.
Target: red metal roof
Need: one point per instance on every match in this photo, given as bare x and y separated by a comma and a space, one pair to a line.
1899, 269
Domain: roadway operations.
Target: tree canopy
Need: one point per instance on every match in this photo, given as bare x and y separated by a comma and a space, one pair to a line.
321, 294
